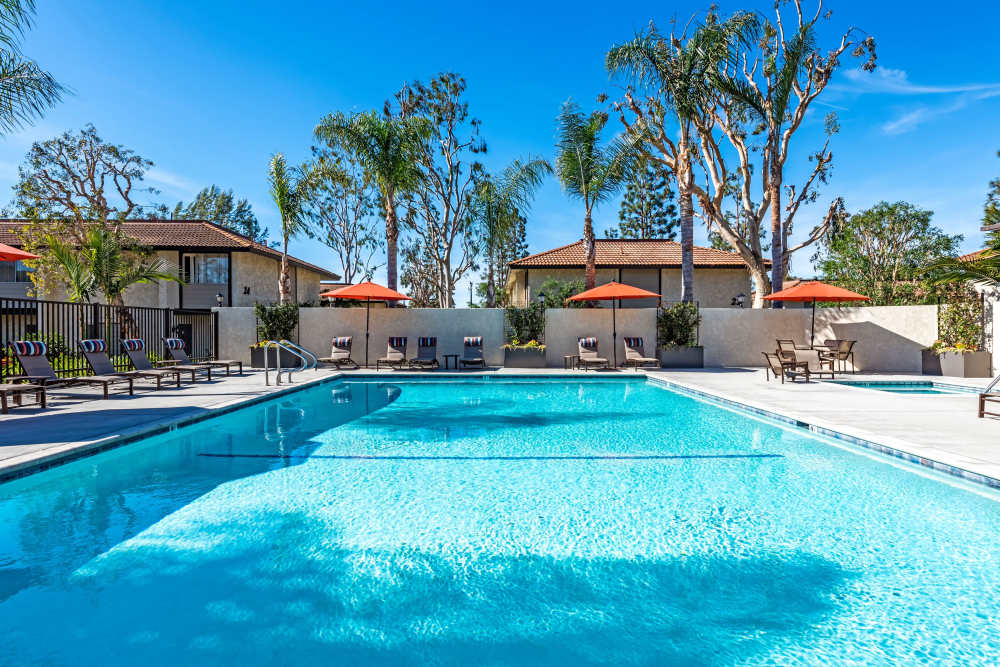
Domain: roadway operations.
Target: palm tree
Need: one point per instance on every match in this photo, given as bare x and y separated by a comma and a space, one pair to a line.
387, 147
982, 269
589, 172
679, 70
496, 205
291, 188
26, 90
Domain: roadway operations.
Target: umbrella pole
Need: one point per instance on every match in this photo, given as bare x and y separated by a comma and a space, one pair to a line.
614, 336
812, 335
368, 314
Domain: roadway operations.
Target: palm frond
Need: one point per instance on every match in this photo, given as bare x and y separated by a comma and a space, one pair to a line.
796, 52
15, 19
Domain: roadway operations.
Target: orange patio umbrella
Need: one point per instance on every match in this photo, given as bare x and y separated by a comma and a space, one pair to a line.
814, 291
12, 254
613, 292
367, 292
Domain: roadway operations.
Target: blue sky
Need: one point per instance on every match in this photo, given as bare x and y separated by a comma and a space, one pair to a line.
209, 91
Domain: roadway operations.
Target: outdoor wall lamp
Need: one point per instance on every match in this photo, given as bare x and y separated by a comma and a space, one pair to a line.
541, 297
738, 300
218, 300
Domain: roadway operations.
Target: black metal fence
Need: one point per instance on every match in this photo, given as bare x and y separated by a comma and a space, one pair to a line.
62, 325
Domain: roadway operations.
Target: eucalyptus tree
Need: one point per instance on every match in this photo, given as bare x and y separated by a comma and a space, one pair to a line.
590, 172
496, 210
221, 207
388, 149
291, 188
26, 90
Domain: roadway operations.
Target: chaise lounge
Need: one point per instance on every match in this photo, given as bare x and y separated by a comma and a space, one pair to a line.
635, 353
472, 352
95, 351
588, 354
37, 369
16, 391
426, 353
395, 354
175, 348
135, 349
340, 352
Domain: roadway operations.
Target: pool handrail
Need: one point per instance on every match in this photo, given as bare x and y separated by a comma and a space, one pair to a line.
279, 346
313, 360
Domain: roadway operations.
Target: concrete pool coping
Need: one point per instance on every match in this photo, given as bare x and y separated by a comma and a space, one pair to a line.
750, 393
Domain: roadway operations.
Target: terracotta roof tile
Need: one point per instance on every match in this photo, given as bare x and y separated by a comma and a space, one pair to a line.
627, 253
179, 234
970, 256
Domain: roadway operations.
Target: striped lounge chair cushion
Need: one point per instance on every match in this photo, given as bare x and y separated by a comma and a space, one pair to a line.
397, 341
473, 341
174, 343
588, 342
633, 341
342, 341
427, 341
29, 348
133, 344
93, 345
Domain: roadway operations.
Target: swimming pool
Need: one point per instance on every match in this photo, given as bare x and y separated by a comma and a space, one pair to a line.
910, 387
496, 522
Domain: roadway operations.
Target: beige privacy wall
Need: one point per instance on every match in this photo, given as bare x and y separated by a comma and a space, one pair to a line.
564, 326
318, 325
890, 338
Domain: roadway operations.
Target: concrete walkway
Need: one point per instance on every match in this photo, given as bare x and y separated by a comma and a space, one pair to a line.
941, 428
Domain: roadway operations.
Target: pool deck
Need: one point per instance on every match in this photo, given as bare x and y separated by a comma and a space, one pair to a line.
939, 428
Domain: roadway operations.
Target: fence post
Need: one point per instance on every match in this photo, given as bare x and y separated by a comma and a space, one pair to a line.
215, 334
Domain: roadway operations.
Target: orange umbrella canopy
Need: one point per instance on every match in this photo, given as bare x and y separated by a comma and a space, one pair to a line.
815, 290
615, 291
12, 254
368, 291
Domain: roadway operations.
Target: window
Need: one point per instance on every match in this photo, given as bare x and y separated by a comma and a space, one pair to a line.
14, 272
204, 269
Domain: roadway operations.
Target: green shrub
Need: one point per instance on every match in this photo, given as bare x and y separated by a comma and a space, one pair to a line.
960, 324
677, 326
557, 291
525, 324
277, 321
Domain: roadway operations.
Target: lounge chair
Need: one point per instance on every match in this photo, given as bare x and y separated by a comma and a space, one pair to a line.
340, 352
818, 364
472, 352
135, 348
426, 353
15, 391
395, 354
990, 395
38, 370
780, 368
175, 348
635, 353
95, 351
840, 352
587, 351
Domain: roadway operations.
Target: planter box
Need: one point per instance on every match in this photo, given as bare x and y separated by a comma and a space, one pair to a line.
528, 357
930, 363
288, 360
682, 357
965, 364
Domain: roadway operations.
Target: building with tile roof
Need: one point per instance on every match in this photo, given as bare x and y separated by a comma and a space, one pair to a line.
214, 261
651, 264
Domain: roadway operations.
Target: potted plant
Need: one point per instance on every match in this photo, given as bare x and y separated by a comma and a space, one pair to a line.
274, 322
957, 352
962, 360
677, 337
524, 355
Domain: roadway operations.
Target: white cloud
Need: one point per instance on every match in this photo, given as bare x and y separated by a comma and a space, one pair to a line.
172, 182
915, 117
897, 82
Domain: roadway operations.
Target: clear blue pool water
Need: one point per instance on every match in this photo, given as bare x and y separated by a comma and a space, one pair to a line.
908, 387
495, 523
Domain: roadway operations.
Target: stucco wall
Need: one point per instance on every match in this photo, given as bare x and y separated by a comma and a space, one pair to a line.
318, 325
713, 288
307, 287
890, 338
257, 272
563, 326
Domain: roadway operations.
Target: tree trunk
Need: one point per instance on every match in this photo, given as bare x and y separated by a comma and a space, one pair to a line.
589, 252
777, 230
491, 299
759, 275
684, 187
284, 281
391, 241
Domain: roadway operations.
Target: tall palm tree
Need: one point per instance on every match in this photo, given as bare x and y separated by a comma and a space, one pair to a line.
26, 90
290, 188
387, 147
589, 172
678, 70
496, 205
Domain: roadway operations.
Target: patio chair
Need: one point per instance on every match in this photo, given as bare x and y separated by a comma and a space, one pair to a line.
990, 395
780, 368
16, 391
175, 348
635, 353
787, 348
38, 370
587, 351
426, 353
340, 352
395, 354
135, 349
840, 352
95, 351
472, 352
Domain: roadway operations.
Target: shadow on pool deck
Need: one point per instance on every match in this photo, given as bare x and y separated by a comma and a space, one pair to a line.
268, 593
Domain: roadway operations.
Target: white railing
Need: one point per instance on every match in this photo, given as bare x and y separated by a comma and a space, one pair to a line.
277, 356
313, 360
